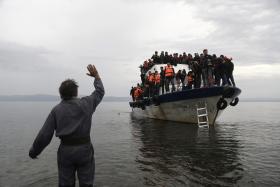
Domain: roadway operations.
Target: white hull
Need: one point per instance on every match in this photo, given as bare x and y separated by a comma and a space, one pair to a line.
181, 111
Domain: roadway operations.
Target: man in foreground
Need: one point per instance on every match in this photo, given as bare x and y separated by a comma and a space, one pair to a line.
71, 120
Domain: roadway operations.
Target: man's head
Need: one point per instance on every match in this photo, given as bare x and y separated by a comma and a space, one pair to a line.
68, 89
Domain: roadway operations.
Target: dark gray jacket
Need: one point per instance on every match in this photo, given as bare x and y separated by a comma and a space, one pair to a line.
69, 118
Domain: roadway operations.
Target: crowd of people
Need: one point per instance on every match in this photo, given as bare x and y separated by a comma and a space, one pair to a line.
204, 70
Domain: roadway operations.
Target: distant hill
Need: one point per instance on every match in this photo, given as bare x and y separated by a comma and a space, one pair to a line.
42, 97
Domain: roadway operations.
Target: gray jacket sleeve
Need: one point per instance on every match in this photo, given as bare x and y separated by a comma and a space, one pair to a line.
44, 137
90, 102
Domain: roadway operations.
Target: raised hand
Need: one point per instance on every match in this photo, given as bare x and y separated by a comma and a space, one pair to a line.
92, 71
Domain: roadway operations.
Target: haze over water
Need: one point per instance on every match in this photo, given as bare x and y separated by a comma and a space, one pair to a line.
242, 150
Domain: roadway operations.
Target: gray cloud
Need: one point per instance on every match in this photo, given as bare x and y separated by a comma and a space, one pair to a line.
248, 30
119, 35
18, 57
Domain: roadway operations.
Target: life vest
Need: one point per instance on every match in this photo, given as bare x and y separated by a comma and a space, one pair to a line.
169, 71
151, 78
137, 92
157, 79
190, 78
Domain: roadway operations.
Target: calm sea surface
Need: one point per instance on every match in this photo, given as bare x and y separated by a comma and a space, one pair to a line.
242, 150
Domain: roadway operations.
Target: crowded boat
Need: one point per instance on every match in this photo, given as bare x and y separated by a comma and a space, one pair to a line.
192, 72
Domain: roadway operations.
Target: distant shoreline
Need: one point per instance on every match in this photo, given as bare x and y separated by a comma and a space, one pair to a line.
50, 98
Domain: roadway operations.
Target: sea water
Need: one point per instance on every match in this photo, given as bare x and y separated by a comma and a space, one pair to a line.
241, 150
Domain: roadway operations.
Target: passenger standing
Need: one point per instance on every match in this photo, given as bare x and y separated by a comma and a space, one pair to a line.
142, 75
161, 57
190, 59
183, 76
157, 83
145, 66
205, 62
138, 93
166, 58
229, 66
175, 60
178, 79
132, 93
169, 77
151, 80
215, 68
171, 58
184, 58
223, 71
156, 58
197, 74
162, 79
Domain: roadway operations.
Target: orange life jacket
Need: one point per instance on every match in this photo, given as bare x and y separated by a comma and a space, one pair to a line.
137, 92
157, 79
169, 71
151, 78
190, 78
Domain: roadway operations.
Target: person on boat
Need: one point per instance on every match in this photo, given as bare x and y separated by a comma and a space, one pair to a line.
183, 76
146, 65
166, 58
215, 61
171, 58
190, 79
196, 68
169, 77
157, 82
178, 79
132, 93
190, 59
161, 57
222, 71
184, 58
229, 67
143, 76
138, 93
205, 66
151, 83
156, 58
162, 79
175, 59
71, 121
150, 63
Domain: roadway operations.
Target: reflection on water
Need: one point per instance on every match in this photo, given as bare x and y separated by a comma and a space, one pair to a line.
174, 154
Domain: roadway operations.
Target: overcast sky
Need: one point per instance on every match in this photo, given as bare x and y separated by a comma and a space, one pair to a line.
43, 42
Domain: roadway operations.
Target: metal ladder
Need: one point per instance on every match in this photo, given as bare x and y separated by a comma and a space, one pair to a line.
202, 115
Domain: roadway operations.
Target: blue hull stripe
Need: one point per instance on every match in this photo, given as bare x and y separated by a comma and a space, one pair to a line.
226, 92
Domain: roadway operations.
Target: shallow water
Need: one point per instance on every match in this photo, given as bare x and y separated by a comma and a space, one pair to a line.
242, 150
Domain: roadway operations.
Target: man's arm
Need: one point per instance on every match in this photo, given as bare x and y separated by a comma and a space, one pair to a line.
91, 102
44, 137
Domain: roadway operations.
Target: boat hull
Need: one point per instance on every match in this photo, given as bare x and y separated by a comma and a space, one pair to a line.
182, 106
